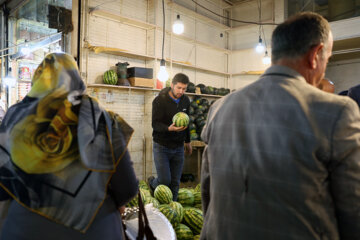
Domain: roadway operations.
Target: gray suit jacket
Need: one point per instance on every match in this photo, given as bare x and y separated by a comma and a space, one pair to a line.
282, 162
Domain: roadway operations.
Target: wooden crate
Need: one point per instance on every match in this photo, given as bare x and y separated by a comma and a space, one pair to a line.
141, 82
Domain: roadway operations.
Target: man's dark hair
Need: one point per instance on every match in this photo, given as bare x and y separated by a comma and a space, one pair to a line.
298, 34
180, 77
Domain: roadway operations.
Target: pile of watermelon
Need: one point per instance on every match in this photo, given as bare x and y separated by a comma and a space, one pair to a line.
198, 111
185, 215
191, 88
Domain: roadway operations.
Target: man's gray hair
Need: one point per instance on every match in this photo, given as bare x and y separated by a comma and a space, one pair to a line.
298, 34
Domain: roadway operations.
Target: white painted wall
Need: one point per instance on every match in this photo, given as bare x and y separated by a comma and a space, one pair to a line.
344, 74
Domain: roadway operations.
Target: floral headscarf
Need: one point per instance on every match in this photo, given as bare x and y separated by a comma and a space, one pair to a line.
59, 147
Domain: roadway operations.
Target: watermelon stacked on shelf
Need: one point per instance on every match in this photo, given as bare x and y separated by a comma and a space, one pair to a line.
110, 77
185, 216
198, 110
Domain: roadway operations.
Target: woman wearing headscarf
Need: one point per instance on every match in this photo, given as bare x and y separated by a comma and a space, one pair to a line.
63, 160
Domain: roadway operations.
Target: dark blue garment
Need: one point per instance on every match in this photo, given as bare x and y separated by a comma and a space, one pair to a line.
169, 164
354, 93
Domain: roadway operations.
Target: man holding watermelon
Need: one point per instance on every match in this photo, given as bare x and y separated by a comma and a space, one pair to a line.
168, 139
282, 160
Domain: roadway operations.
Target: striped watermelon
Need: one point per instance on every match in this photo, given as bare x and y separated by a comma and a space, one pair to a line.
178, 209
110, 77
152, 200
181, 119
143, 185
185, 197
194, 219
197, 198
170, 214
198, 206
196, 237
163, 194
198, 188
133, 202
183, 232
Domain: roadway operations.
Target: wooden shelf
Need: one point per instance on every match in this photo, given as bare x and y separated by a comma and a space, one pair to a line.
189, 65
97, 85
122, 19
118, 52
198, 16
248, 73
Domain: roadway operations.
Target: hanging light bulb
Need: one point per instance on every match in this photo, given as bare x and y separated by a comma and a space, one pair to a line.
178, 26
162, 74
260, 47
266, 59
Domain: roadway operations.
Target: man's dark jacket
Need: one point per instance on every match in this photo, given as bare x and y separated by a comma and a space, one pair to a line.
163, 110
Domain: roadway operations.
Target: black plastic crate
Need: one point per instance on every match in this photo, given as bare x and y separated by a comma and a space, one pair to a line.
140, 72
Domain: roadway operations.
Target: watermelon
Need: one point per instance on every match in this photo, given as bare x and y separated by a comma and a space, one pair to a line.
183, 232
194, 136
185, 197
178, 209
198, 188
152, 200
110, 77
193, 218
194, 104
181, 119
143, 185
163, 194
196, 237
170, 214
198, 206
192, 118
144, 194
133, 202
197, 198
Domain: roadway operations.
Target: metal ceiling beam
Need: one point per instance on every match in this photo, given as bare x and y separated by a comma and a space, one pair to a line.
13, 5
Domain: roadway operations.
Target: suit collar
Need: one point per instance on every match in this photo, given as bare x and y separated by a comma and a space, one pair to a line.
284, 71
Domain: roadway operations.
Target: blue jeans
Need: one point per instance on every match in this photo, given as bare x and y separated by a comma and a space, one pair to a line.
169, 164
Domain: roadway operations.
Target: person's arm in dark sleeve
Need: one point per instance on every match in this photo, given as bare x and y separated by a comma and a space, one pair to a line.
124, 185
354, 93
4, 195
157, 115
344, 169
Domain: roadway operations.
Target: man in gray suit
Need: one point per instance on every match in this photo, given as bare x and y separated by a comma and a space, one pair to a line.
282, 160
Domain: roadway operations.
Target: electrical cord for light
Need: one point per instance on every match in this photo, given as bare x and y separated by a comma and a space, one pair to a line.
163, 40
232, 19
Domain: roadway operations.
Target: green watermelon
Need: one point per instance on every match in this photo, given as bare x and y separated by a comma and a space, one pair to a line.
170, 214
144, 194
198, 206
185, 197
196, 237
193, 218
163, 194
178, 209
110, 77
183, 232
194, 136
197, 198
181, 119
143, 185
152, 200
133, 202
194, 104
198, 188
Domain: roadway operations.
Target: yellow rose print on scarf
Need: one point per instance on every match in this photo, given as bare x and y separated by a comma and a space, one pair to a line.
46, 141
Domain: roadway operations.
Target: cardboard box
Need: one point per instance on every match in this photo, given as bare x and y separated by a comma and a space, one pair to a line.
141, 82
140, 72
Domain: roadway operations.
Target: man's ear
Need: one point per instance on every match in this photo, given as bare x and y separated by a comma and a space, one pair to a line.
314, 54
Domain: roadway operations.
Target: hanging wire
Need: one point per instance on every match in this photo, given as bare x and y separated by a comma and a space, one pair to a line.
232, 19
163, 40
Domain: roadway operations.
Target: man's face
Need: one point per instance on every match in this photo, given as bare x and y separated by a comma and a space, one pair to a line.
178, 89
324, 59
